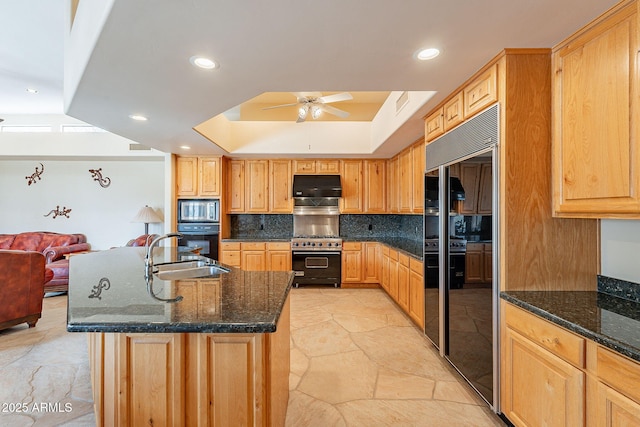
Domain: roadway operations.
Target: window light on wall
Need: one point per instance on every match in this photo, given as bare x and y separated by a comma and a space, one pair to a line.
25, 129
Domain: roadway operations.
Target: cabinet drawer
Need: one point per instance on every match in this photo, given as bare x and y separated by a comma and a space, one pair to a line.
254, 246
403, 259
619, 372
560, 342
393, 254
415, 265
230, 246
279, 246
351, 246
231, 258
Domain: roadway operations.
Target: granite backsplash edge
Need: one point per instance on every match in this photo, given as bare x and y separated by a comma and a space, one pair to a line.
619, 288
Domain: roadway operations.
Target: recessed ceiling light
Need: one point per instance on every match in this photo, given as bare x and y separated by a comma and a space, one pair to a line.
138, 117
32, 90
202, 62
426, 54
185, 147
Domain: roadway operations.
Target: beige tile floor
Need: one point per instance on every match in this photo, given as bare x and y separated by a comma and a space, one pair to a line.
356, 360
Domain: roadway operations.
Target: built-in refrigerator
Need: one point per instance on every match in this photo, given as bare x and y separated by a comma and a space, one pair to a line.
461, 314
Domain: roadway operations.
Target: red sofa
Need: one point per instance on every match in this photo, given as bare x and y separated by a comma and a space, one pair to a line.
22, 278
53, 246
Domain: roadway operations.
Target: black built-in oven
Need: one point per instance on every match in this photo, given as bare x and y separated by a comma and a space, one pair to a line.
199, 224
316, 267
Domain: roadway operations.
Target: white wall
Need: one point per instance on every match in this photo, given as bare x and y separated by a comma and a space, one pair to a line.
102, 214
620, 247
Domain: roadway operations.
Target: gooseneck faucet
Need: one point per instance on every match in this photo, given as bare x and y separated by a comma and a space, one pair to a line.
148, 259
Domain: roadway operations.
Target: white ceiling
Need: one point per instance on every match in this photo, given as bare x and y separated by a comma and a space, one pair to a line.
140, 62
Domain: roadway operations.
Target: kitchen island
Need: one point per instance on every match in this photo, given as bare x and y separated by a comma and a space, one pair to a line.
200, 351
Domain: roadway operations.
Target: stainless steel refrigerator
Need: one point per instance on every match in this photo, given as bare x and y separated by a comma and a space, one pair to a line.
461, 210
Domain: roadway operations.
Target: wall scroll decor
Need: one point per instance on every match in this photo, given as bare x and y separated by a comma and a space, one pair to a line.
57, 212
31, 179
96, 174
103, 284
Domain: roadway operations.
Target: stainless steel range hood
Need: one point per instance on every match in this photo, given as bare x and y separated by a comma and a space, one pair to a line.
317, 186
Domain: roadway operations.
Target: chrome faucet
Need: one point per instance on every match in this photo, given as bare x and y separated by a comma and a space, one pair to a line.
148, 259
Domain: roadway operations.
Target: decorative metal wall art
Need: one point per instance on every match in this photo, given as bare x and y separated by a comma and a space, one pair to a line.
103, 284
96, 174
35, 177
57, 212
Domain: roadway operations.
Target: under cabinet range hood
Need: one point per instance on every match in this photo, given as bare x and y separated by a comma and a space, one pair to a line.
317, 186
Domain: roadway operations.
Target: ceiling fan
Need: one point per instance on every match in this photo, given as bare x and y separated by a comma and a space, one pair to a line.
314, 104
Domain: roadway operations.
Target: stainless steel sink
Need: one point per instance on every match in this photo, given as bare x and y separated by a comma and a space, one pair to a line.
188, 270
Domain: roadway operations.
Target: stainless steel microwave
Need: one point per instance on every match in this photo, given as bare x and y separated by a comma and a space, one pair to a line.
198, 210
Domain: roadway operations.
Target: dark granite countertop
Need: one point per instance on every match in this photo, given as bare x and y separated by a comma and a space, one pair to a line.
606, 319
108, 293
257, 239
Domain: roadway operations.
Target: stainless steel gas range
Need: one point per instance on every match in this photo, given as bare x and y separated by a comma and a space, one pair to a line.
316, 247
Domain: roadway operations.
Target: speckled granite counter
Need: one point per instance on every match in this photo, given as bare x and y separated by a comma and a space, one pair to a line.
413, 248
108, 293
609, 320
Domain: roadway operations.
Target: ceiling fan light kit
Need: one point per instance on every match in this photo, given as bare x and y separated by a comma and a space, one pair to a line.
316, 105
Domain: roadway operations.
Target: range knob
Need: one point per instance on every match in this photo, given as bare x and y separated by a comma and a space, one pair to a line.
295, 244
320, 244
313, 244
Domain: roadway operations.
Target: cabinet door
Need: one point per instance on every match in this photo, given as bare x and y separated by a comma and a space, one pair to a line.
485, 190
328, 167
384, 275
351, 200
280, 200
393, 275
470, 179
418, 159
187, 176
371, 262
453, 112
209, 176
393, 196
254, 260
405, 174
304, 166
481, 93
433, 125
613, 409
596, 157
403, 282
352, 263
257, 195
540, 389
279, 260
235, 197
416, 292
375, 196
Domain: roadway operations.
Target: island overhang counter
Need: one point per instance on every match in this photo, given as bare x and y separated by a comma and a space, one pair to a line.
200, 351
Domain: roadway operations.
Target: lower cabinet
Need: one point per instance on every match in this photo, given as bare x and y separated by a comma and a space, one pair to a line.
553, 377
257, 256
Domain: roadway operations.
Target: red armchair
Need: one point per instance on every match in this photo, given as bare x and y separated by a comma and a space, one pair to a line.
22, 278
53, 246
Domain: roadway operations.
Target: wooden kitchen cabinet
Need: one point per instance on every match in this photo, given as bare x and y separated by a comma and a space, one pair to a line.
352, 262
230, 254
596, 111
393, 185
473, 271
321, 167
434, 125
416, 292
257, 182
384, 267
403, 282
393, 274
371, 262
236, 187
541, 384
254, 256
418, 168
278, 256
405, 175
280, 186
453, 111
198, 176
352, 187
481, 93
375, 180
470, 180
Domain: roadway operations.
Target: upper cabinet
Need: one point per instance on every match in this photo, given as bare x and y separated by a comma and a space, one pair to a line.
434, 125
198, 176
280, 190
596, 111
352, 188
375, 191
481, 93
321, 167
453, 112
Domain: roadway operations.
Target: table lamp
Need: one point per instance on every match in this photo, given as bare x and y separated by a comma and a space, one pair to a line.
146, 215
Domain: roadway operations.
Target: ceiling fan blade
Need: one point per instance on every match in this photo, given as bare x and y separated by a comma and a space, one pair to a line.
300, 119
279, 106
333, 110
344, 96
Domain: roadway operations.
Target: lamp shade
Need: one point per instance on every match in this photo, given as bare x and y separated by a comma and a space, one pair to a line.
146, 215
